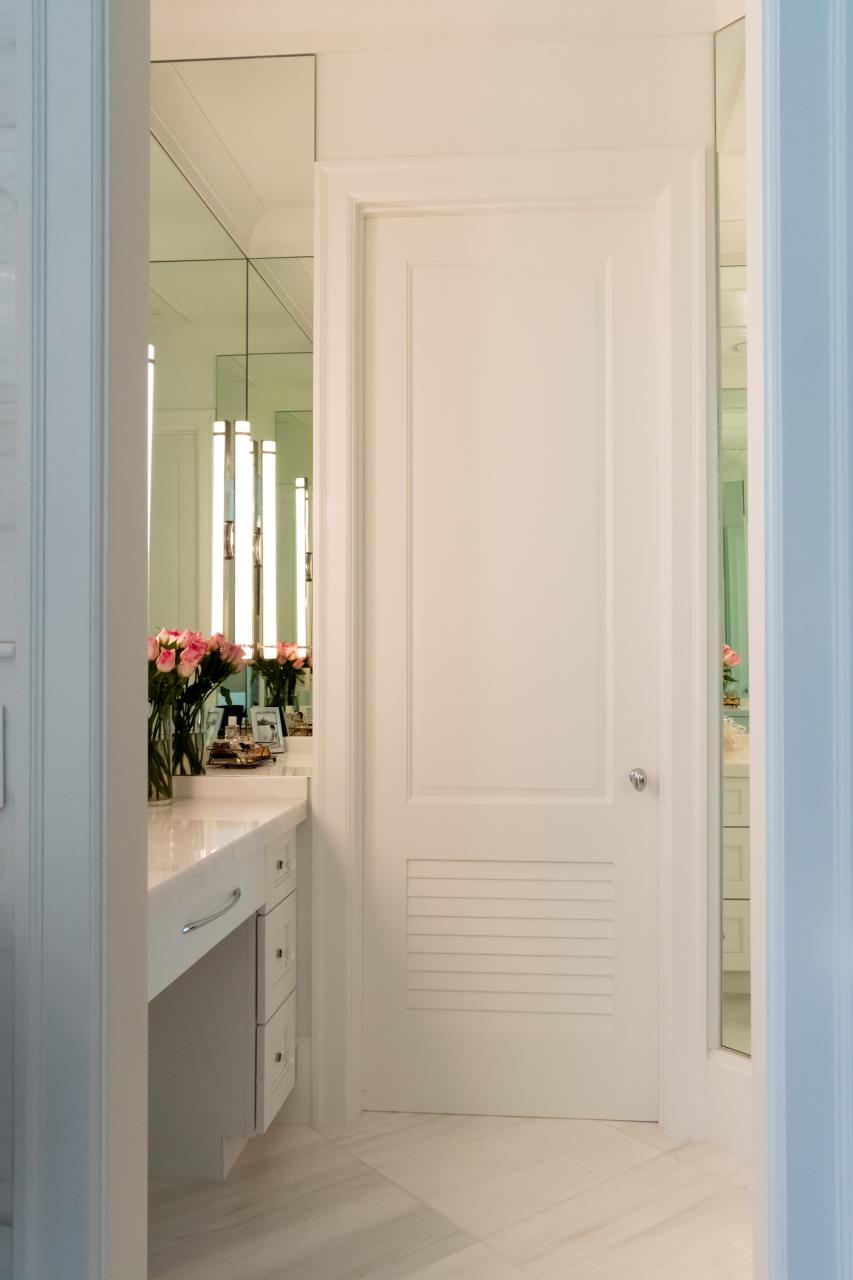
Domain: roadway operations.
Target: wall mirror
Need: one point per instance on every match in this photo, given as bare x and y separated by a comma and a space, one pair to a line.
231, 350
733, 542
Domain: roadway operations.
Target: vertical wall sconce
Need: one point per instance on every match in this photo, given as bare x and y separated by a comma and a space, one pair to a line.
220, 530
150, 437
269, 629
244, 536
243, 600
301, 503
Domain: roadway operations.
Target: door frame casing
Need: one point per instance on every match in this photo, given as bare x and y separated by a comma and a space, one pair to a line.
77, 758
678, 182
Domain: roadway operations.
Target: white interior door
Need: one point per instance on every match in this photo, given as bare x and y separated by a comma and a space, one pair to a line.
513, 372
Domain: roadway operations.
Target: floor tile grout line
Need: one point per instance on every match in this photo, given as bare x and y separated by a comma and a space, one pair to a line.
472, 1239
548, 1208
723, 1181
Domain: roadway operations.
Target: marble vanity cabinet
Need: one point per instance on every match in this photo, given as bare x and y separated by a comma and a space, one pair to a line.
224, 868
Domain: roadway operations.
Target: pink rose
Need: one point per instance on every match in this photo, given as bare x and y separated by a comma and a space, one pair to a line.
168, 637
189, 638
298, 664
730, 657
215, 642
166, 660
191, 657
153, 648
234, 655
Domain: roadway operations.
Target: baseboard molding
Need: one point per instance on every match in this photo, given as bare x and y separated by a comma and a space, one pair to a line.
297, 1109
730, 1102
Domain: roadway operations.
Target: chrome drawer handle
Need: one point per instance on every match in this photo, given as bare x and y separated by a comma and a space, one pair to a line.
199, 924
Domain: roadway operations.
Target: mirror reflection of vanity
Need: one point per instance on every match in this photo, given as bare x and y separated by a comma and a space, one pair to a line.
231, 334
230, 499
735, 976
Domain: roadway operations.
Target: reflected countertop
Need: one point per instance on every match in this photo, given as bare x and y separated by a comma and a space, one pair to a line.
736, 755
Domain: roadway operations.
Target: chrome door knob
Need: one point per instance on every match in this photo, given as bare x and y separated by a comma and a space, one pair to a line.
637, 778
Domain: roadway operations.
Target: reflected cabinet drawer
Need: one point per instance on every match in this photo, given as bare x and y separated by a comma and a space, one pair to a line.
735, 802
736, 936
276, 957
735, 862
276, 1063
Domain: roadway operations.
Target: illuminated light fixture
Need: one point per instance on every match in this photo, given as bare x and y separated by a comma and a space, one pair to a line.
244, 536
218, 548
269, 631
150, 437
301, 496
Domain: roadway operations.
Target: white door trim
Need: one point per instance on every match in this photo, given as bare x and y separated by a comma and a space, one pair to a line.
76, 747
347, 195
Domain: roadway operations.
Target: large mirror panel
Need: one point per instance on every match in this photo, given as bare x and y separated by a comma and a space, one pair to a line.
231, 333
735, 980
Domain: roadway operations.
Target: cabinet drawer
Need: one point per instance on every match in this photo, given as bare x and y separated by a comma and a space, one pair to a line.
280, 870
735, 862
736, 936
735, 802
276, 1059
182, 934
276, 957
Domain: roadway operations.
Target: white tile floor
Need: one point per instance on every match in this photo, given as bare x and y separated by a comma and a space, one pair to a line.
737, 1027
402, 1197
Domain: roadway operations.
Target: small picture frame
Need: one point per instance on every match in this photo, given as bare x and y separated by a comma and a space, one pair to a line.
267, 728
212, 725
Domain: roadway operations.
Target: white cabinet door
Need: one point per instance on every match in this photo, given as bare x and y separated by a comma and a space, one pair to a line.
512, 393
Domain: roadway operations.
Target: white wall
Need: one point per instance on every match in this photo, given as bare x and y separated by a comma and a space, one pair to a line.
8, 419
452, 101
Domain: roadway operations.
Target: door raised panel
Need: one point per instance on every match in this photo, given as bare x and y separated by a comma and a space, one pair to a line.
506, 550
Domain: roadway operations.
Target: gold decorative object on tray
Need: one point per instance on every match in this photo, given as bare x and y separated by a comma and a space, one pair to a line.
237, 755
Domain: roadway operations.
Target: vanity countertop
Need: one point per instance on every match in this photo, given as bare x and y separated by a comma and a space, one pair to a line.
213, 824
736, 756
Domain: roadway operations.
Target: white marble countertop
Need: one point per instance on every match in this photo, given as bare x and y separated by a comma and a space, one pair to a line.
736, 756
213, 823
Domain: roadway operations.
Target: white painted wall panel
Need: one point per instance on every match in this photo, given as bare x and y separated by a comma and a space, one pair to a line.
517, 98
8, 427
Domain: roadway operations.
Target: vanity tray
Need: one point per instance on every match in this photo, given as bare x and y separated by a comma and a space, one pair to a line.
228, 755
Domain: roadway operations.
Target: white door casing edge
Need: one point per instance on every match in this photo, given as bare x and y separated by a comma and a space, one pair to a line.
347, 195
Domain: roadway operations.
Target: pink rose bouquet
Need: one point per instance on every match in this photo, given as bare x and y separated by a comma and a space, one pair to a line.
282, 673
205, 664
730, 659
184, 669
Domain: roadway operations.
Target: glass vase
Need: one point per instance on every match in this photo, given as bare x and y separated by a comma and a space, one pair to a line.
160, 734
188, 752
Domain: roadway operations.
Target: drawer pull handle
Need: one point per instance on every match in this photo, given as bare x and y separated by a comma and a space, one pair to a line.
199, 924
285, 954
286, 1058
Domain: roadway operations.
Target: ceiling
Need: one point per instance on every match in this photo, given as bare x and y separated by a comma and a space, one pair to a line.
182, 227
242, 131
